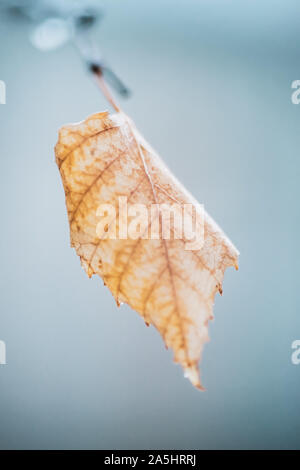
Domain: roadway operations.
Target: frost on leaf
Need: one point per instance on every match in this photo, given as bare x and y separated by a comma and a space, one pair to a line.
103, 158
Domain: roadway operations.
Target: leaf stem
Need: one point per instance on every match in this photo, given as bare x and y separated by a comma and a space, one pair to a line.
101, 83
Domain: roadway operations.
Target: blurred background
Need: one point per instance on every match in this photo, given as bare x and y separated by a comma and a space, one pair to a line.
211, 91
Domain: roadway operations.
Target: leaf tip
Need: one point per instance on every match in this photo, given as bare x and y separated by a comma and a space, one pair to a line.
192, 373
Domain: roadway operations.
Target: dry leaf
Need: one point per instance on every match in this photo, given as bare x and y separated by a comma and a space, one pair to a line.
171, 287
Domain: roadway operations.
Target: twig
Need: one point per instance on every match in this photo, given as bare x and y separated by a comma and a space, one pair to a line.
100, 81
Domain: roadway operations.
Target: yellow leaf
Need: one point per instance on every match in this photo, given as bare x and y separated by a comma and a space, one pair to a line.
104, 160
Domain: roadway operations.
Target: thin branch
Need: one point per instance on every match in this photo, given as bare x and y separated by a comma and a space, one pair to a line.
99, 79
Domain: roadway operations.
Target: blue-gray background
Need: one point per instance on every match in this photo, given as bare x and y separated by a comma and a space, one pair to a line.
212, 93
